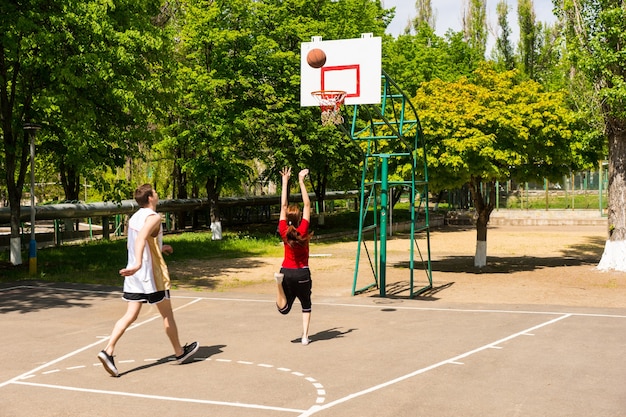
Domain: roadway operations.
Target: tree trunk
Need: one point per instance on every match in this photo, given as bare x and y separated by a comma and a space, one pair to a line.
195, 222
614, 256
396, 194
181, 191
484, 205
16, 162
70, 180
213, 190
319, 188
16, 240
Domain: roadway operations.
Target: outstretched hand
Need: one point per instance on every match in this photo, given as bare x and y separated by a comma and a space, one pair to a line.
167, 249
303, 174
126, 272
285, 173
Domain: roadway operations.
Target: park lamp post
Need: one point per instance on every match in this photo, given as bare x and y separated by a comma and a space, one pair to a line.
32, 129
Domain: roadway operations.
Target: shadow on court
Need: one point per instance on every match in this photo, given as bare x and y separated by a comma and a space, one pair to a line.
326, 335
42, 298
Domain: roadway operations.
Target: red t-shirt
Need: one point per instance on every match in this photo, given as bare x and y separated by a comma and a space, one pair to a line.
296, 256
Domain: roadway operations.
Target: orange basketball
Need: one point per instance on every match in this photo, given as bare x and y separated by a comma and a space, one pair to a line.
316, 58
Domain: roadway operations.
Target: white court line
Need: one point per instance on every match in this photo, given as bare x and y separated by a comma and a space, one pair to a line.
160, 397
90, 346
562, 315
317, 408
21, 379
469, 310
448, 310
34, 287
376, 306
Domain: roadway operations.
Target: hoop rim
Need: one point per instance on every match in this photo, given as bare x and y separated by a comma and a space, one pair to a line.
339, 95
330, 102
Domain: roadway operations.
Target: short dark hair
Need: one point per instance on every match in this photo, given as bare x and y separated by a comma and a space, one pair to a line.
142, 194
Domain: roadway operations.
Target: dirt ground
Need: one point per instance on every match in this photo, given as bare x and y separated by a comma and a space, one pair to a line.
549, 265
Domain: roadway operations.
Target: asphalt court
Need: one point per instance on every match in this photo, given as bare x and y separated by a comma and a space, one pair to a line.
368, 357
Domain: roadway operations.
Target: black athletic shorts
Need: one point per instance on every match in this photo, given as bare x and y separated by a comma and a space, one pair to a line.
297, 284
153, 298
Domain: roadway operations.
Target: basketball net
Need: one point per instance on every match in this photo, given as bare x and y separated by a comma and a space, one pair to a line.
330, 104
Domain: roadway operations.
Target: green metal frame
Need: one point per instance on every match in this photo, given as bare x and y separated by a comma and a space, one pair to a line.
389, 132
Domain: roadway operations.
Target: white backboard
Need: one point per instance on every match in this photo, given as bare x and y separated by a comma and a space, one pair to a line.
352, 65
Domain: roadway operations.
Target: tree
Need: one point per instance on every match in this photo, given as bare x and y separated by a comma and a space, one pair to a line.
100, 101
528, 44
219, 78
413, 59
79, 69
595, 35
425, 15
491, 127
505, 55
22, 72
551, 69
293, 135
475, 27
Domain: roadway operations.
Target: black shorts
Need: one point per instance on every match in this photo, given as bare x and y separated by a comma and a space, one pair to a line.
296, 284
153, 298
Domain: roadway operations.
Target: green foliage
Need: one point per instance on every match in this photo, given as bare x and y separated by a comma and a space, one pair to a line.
199, 97
528, 37
102, 86
505, 54
291, 134
561, 201
595, 35
215, 84
87, 72
414, 59
494, 127
475, 27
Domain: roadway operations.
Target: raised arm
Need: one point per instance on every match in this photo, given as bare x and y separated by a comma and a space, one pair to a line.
306, 210
285, 173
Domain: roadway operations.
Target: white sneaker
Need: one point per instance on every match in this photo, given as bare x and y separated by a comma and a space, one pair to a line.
279, 277
305, 341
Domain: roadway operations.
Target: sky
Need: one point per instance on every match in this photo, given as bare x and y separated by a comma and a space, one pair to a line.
448, 15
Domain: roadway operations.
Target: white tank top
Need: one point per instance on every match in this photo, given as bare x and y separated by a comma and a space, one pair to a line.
153, 275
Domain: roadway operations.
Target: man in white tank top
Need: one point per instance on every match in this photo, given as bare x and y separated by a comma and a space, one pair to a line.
146, 278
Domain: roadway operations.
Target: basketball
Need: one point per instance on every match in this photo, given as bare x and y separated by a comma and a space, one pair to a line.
316, 58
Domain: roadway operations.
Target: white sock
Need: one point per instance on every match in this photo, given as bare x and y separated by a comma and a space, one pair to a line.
305, 340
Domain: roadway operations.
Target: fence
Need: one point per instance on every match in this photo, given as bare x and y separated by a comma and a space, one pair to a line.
70, 221
580, 191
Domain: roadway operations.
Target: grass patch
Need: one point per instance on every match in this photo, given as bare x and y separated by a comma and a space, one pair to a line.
561, 202
98, 262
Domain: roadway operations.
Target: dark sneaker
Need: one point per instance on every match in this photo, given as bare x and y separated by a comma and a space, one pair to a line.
188, 351
108, 363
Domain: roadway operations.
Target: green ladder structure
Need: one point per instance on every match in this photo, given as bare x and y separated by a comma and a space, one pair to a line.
390, 134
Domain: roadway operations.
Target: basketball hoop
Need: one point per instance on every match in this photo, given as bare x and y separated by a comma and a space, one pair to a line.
330, 103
